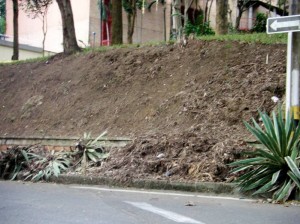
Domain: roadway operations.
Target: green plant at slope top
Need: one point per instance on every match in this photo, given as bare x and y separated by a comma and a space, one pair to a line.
199, 28
2, 26
260, 24
274, 164
89, 150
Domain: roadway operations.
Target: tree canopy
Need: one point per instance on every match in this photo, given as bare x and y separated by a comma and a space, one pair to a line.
2, 16
69, 37
36, 6
2, 8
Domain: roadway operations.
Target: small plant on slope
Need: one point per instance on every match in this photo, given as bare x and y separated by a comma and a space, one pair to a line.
43, 167
15, 160
89, 150
274, 164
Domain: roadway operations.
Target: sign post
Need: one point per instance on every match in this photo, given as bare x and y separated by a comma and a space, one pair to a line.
290, 25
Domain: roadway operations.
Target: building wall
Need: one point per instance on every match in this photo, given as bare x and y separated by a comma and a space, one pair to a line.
94, 24
148, 26
30, 30
25, 52
233, 12
7, 52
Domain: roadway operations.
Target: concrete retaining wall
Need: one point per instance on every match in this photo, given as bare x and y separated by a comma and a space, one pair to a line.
56, 143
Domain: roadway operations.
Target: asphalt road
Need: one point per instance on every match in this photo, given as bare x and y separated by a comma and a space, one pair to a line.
44, 203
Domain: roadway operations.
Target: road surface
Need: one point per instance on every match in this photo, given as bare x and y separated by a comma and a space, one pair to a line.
44, 203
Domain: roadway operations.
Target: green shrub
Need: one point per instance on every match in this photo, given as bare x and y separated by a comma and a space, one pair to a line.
13, 161
89, 150
36, 163
2, 25
274, 164
199, 28
260, 23
42, 167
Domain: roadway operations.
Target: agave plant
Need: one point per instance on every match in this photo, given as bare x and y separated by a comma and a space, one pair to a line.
14, 160
274, 164
89, 149
43, 167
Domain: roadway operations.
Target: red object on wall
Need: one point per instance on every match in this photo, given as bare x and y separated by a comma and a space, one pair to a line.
106, 24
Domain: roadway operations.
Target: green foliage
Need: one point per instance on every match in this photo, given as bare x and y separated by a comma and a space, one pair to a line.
260, 23
89, 150
199, 28
35, 163
274, 165
14, 160
131, 5
249, 38
2, 25
232, 29
2, 17
43, 167
282, 3
2, 8
35, 7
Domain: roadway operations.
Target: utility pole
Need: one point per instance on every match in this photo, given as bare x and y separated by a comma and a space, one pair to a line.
293, 68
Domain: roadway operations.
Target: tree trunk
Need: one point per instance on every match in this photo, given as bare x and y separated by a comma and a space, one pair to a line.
117, 23
187, 5
131, 21
15, 55
209, 11
221, 17
206, 11
69, 36
176, 6
238, 20
45, 28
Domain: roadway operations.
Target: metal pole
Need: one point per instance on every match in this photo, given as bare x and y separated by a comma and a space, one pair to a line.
288, 75
295, 65
165, 29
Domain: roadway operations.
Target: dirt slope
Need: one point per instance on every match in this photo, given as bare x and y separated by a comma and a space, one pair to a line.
187, 103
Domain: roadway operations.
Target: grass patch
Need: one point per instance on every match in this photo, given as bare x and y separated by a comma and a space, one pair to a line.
136, 45
31, 60
262, 38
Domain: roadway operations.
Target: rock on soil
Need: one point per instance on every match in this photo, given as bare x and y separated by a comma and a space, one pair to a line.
187, 104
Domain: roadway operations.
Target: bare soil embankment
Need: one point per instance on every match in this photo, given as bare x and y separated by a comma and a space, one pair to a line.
184, 104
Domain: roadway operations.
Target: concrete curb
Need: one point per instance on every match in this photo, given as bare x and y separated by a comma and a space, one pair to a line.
201, 187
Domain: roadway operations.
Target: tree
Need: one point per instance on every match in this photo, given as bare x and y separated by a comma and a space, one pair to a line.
187, 5
221, 18
2, 8
176, 15
130, 7
69, 35
282, 4
2, 16
207, 10
15, 55
38, 8
117, 22
242, 6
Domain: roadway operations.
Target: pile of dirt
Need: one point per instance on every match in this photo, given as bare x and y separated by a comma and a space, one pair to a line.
183, 106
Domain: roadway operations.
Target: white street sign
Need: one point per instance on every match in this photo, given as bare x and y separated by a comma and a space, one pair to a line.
283, 24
